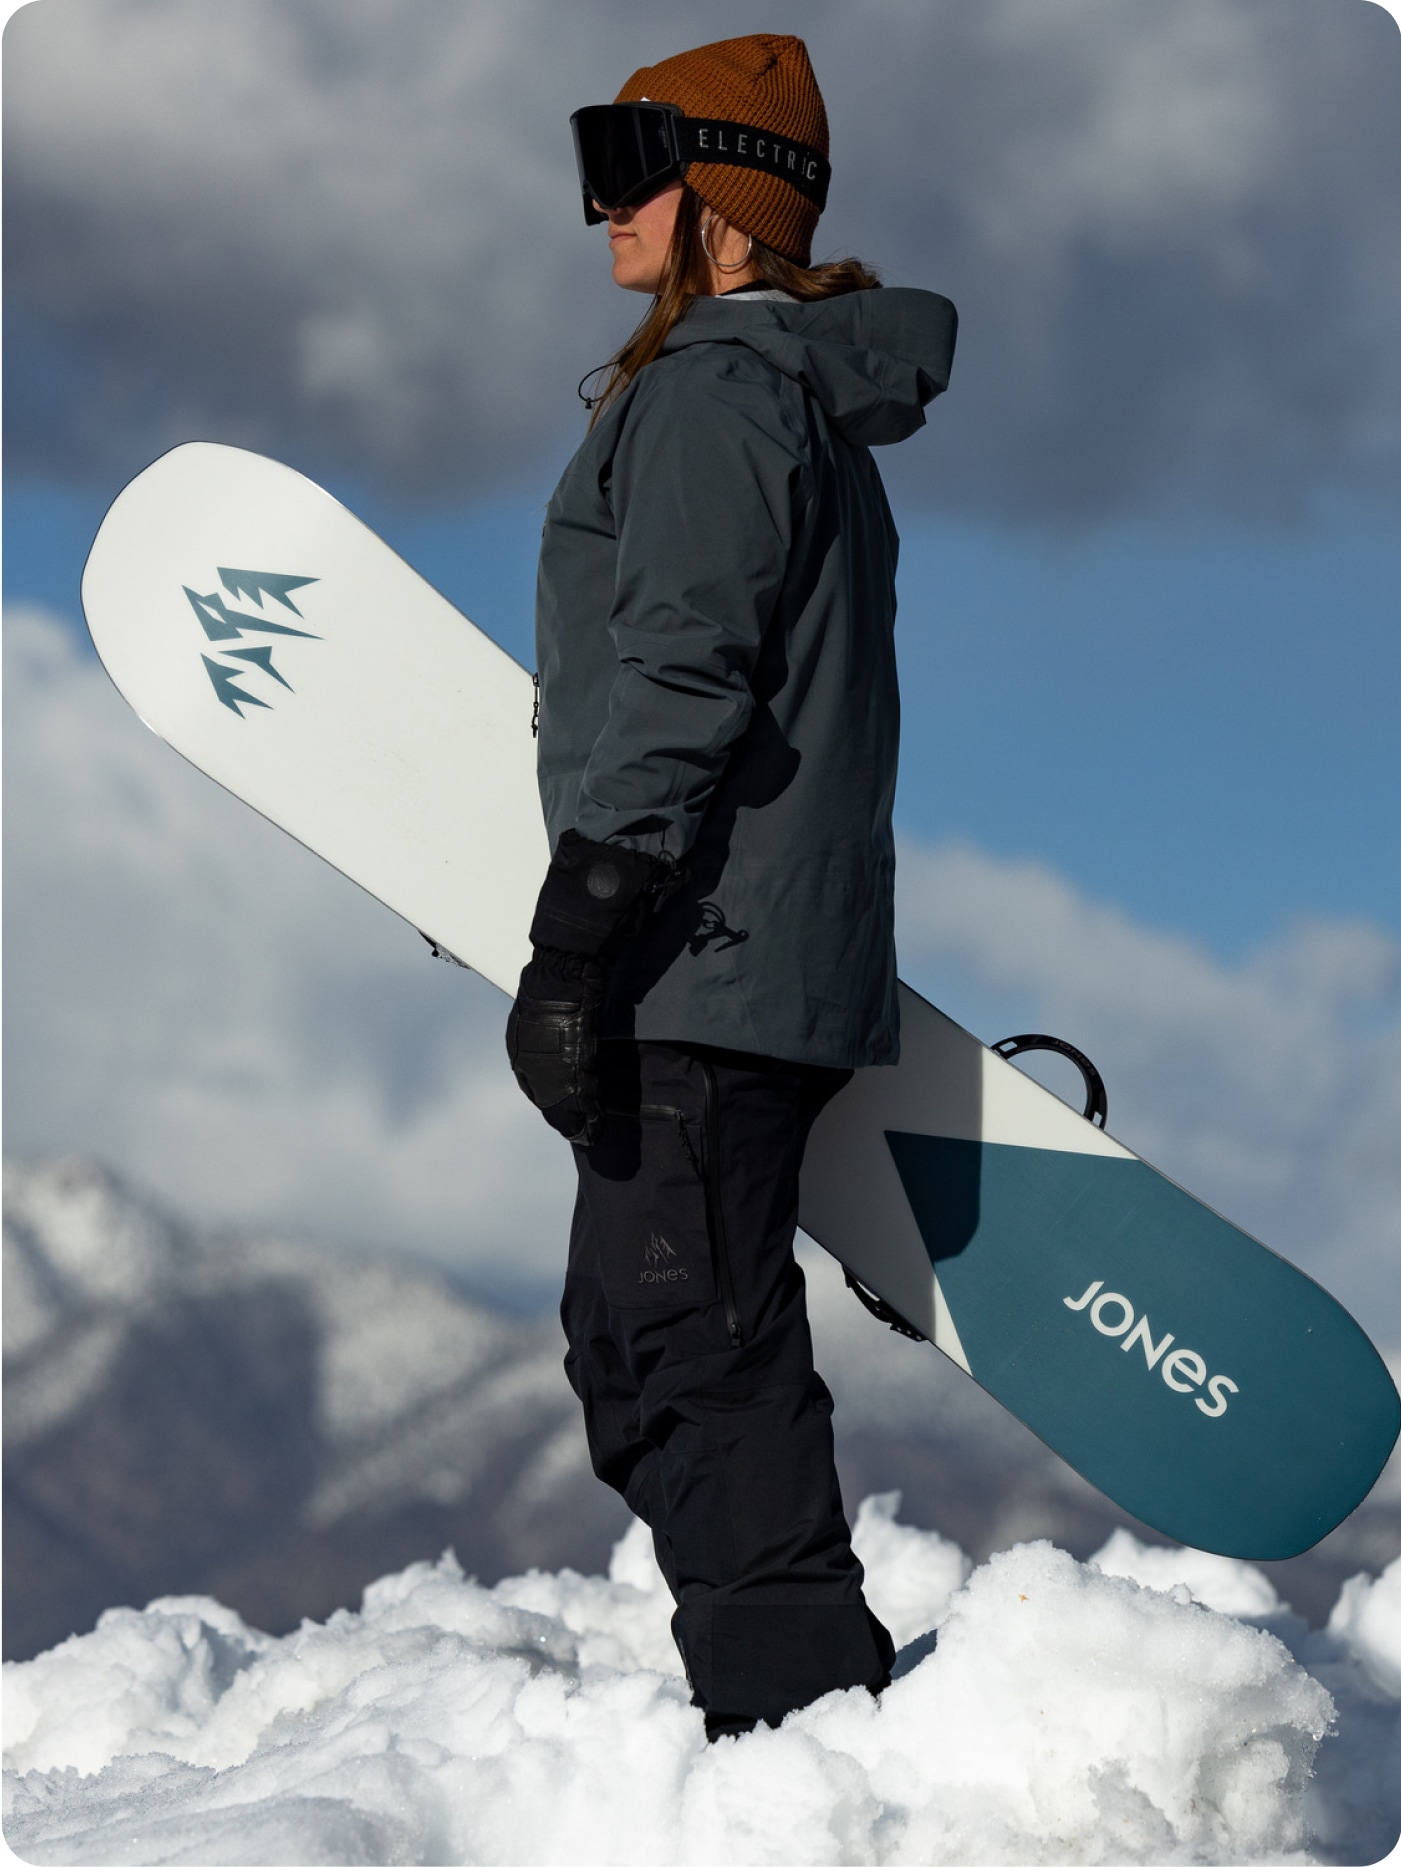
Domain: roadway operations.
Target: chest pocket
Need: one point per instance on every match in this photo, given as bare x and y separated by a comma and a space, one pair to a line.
645, 1190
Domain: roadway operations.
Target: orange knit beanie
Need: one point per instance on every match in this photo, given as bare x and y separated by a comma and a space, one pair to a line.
766, 81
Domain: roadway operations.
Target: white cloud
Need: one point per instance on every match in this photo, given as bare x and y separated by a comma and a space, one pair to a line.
349, 228
340, 211
195, 998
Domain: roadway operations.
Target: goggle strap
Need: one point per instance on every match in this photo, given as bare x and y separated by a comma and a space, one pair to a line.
740, 145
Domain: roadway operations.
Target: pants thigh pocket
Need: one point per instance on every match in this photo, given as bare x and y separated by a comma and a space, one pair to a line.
645, 1190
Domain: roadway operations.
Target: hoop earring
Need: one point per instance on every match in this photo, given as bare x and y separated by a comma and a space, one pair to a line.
737, 265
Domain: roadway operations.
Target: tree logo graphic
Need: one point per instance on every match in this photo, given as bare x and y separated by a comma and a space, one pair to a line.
224, 625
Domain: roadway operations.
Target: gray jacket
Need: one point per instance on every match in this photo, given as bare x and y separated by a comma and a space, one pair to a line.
714, 626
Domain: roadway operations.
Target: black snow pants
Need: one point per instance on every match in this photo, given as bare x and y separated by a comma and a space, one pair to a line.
690, 1350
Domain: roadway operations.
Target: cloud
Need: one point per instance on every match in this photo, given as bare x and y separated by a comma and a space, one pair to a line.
226, 1020
346, 231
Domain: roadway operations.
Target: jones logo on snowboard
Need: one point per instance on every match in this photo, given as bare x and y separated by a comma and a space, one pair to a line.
222, 624
1183, 1369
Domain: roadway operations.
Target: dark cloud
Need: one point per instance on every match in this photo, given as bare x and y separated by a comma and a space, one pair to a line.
345, 232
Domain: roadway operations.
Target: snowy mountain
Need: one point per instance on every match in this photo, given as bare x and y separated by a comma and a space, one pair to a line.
259, 1417
276, 1424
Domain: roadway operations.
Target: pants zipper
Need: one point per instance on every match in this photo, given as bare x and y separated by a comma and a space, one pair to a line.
717, 1213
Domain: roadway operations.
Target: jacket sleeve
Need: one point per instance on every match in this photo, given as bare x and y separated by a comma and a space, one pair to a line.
708, 477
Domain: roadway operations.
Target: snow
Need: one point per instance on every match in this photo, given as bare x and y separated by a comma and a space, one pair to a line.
96, 1246
1367, 1619
1150, 1705
1236, 1588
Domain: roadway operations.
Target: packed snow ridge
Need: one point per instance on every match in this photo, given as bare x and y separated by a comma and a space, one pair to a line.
1151, 1705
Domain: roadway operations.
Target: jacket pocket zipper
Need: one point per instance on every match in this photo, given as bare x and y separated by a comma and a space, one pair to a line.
717, 1214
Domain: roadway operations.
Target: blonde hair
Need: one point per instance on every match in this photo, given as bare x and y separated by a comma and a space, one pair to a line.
687, 276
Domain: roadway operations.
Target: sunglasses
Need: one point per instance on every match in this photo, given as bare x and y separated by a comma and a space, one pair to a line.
627, 152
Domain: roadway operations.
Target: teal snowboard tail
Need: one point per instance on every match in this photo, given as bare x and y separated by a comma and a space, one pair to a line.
1188, 1372
1205, 1384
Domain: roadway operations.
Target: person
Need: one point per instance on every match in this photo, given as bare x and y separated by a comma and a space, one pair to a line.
713, 948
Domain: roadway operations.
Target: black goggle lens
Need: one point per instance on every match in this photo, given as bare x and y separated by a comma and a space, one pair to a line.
625, 152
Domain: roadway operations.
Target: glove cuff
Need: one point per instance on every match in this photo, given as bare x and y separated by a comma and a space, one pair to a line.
591, 890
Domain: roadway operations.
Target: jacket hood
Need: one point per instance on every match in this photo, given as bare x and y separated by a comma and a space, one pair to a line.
871, 360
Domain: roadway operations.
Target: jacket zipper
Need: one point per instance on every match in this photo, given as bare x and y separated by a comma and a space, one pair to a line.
717, 1214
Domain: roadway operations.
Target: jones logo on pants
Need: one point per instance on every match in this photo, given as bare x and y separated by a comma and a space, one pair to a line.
1183, 1369
660, 1263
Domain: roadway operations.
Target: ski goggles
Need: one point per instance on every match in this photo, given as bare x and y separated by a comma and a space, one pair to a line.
627, 152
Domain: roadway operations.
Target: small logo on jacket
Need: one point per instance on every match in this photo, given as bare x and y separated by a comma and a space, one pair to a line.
223, 625
660, 1264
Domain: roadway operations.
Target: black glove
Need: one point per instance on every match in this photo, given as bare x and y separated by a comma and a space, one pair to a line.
552, 1040
593, 896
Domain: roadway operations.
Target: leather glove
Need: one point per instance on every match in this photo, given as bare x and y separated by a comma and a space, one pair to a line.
552, 1040
593, 896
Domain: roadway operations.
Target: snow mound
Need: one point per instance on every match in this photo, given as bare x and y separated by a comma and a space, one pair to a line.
911, 1575
1367, 1619
1236, 1588
1066, 1713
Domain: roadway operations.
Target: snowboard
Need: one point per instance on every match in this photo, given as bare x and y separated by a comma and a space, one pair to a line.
1195, 1377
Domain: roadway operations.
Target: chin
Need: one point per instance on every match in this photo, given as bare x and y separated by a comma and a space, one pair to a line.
631, 280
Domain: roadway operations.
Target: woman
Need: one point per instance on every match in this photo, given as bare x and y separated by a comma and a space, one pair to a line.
713, 944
